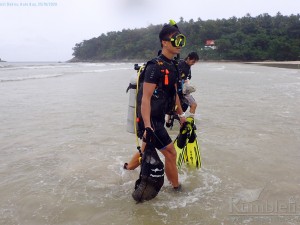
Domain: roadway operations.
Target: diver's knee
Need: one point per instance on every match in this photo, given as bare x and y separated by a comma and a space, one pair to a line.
172, 154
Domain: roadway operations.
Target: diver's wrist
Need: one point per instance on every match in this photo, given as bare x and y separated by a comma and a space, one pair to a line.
181, 115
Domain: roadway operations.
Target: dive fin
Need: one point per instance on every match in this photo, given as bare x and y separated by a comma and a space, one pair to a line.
192, 155
180, 143
186, 145
180, 154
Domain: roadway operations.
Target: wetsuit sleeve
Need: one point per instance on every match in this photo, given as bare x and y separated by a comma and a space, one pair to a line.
189, 75
187, 71
179, 66
152, 74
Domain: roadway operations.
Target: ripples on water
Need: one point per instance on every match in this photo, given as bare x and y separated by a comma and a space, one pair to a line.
63, 143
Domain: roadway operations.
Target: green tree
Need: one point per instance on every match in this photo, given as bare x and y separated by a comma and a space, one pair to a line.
248, 38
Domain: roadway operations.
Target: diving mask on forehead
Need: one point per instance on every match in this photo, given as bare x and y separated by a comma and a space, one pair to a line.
177, 40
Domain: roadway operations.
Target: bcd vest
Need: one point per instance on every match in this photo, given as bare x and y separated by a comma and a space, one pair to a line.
164, 95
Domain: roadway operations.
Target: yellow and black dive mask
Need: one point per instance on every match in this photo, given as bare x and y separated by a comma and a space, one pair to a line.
177, 40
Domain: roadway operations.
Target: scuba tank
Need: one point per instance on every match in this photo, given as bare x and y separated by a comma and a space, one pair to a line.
131, 104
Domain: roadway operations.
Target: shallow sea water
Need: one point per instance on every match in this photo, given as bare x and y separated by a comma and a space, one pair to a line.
63, 143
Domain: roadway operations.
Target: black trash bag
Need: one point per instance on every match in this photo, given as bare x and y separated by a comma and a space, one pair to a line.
151, 177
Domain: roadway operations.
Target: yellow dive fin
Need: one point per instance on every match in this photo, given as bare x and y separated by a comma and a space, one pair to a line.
192, 156
186, 146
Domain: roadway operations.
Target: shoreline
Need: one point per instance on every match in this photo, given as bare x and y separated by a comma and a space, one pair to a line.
282, 64
279, 64
74, 60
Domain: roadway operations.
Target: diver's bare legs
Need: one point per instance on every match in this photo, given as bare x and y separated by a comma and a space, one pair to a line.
170, 164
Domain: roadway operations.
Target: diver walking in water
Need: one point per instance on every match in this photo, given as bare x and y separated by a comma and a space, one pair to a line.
185, 89
158, 97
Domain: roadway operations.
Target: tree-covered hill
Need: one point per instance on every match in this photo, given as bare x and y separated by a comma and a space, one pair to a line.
244, 39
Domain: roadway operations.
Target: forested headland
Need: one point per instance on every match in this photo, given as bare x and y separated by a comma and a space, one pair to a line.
259, 38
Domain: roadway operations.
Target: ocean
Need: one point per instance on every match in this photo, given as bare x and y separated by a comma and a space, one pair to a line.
64, 142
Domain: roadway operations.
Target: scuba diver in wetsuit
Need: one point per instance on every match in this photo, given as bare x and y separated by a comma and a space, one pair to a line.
185, 76
159, 96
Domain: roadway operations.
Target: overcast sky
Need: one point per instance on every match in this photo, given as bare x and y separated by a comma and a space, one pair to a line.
48, 32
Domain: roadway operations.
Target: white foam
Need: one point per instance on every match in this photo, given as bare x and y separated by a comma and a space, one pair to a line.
188, 196
40, 76
33, 67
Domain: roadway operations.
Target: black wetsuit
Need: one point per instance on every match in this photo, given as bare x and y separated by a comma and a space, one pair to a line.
184, 74
184, 70
163, 98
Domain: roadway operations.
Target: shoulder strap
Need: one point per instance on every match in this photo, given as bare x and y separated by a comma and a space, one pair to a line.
141, 74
